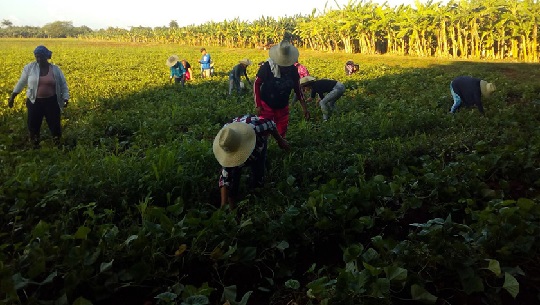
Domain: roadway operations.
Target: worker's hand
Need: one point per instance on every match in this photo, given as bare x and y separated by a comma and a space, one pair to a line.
10, 102
283, 144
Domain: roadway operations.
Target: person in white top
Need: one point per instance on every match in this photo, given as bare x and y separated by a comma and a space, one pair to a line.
46, 95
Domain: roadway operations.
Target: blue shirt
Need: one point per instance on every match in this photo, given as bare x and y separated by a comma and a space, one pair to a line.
177, 71
205, 61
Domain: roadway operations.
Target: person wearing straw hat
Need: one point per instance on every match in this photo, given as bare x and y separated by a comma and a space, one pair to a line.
328, 90
243, 142
273, 84
177, 70
46, 95
236, 73
468, 91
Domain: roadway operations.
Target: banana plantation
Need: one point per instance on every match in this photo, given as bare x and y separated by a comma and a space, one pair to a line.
490, 29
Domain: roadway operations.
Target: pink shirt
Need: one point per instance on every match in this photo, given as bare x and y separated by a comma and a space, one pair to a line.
46, 85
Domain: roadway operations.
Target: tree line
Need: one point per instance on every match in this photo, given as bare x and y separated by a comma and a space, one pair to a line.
492, 29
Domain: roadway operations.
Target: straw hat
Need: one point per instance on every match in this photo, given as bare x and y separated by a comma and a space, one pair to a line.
306, 79
486, 88
234, 143
173, 59
245, 61
284, 54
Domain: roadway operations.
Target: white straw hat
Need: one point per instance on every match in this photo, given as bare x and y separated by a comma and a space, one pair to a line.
284, 54
487, 88
245, 61
234, 143
306, 79
172, 60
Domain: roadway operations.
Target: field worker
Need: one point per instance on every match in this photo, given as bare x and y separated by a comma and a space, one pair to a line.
273, 84
177, 70
468, 91
187, 68
302, 72
351, 67
46, 95
329, 91
236, 73
205, 63
243, 142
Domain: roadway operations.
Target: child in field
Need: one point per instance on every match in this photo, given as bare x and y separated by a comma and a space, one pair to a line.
468, 91
177, 70
329, 91
243, 142
236, 73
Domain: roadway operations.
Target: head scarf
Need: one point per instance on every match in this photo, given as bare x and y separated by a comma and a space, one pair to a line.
42, 50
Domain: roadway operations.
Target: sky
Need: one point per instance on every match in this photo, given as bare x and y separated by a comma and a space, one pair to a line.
101, 14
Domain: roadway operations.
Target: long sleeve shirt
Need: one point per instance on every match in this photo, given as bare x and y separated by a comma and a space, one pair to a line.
205, 61
178, 70
30, 79
276, 92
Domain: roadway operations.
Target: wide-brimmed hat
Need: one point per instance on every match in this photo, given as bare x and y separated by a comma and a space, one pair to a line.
234, 143
245, 61
284, 54
487, 88
307, 79
172, 60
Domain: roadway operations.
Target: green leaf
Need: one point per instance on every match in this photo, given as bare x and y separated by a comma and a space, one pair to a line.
292, 284
106, 266
166, 297
418, 293
196, 300
82, 301
525, 204
40, 229
494, 266
394, 273
282, 245
82, 232
511, 284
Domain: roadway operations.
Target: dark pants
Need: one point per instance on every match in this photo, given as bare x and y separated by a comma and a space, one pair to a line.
44, 107
179, 80
257, 173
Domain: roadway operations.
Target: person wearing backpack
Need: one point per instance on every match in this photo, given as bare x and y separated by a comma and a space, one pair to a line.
275, 80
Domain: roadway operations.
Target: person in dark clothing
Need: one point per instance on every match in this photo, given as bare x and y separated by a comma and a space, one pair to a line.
328, 90
236, 73
468, 91
243, 142
275, 80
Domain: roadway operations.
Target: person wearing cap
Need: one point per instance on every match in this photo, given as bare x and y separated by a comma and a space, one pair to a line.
178, 71
468, 91
273, 84
46, 95
328, 90
243, 142
206, 63
187, 68
236, 73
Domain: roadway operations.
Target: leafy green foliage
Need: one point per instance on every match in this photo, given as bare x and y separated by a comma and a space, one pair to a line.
392, 199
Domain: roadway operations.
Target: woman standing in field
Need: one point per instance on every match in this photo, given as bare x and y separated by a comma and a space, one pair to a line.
273, 84
47, 93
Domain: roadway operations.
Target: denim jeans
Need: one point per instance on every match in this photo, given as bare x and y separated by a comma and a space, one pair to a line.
457, 100
328, 103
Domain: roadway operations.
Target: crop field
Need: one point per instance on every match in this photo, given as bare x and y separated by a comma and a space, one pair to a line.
391, 201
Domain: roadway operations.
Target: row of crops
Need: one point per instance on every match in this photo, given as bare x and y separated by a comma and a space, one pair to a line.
392, 201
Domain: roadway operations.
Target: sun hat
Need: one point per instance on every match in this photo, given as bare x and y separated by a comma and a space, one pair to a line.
306, 79
245, 61
173, 59
234, 143
284, 54
42, 50
486, 88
